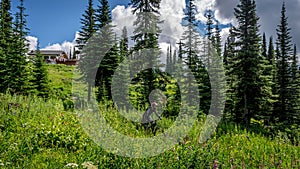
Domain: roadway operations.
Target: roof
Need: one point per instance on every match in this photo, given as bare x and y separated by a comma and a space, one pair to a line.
47, 52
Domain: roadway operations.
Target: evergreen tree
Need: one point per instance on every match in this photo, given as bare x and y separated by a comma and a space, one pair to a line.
88, 27
286, 94
272, 71
40, 74
169, 59
124, 49
196, 56
107, 43
218, 41
252, 89
228, 61
146, 52
74, 53
87, 45
121, 78
295, 88
6, 39
264, 46
271, 51
19, 73
209, 25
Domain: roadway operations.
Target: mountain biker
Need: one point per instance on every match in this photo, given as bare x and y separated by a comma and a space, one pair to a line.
147, 120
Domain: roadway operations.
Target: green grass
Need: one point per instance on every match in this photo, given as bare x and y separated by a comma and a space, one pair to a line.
40, 134
60, 77
37, 133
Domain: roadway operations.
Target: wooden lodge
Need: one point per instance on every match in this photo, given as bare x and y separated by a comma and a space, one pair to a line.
55, 57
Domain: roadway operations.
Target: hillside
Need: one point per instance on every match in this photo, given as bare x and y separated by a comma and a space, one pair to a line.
35, 133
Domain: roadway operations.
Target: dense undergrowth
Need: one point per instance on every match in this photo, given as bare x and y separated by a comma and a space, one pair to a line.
38, 133
35, 133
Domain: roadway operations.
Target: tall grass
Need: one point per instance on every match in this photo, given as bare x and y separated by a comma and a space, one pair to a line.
37, 133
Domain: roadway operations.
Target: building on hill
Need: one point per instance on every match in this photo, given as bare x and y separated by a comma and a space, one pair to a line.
55, 57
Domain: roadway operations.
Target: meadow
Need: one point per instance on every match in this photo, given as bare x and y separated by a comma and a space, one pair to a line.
39, 133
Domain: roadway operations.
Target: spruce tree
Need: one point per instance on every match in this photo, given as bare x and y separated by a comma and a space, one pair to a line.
87, 45
146, 49
218, 40
264, 46
295, 88
6, 39
88, 27
287, 96
271, 51
228, 61
40, 76
108, 44
195, 56
252, 89
20, 74
124, 48
272, 71
121, 77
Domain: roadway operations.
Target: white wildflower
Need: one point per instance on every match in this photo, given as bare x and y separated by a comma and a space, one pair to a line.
72, 165
89, 165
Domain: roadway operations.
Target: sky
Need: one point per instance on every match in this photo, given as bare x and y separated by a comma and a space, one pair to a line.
55, 22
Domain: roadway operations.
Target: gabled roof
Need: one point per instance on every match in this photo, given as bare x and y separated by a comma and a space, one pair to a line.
47, 52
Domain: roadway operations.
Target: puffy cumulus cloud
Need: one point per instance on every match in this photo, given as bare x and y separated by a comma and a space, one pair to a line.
32, 42
121, 17
171, 15
224, 34
65, 46
202, 6
55, 46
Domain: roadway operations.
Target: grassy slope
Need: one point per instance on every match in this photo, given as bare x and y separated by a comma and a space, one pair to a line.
60, 77
39, 134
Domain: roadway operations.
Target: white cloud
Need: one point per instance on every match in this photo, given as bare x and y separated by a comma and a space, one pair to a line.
122, 16
202, 6
171, 14
224, 34
55, 46
32, 41
66, 46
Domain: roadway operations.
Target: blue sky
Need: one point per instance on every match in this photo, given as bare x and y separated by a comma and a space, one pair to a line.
56, 21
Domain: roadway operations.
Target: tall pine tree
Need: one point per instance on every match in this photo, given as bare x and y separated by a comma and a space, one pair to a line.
287, 95
20, 74
40, 76
252, 89
146, 51
88, 56
108, 46
6, 39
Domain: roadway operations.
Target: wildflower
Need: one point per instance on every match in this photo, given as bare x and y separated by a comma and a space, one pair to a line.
215, 166
89, 165
72, 165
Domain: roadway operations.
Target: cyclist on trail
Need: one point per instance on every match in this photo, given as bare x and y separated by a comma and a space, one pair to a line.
147, 120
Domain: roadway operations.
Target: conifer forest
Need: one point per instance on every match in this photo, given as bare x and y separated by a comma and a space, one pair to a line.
230, 102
